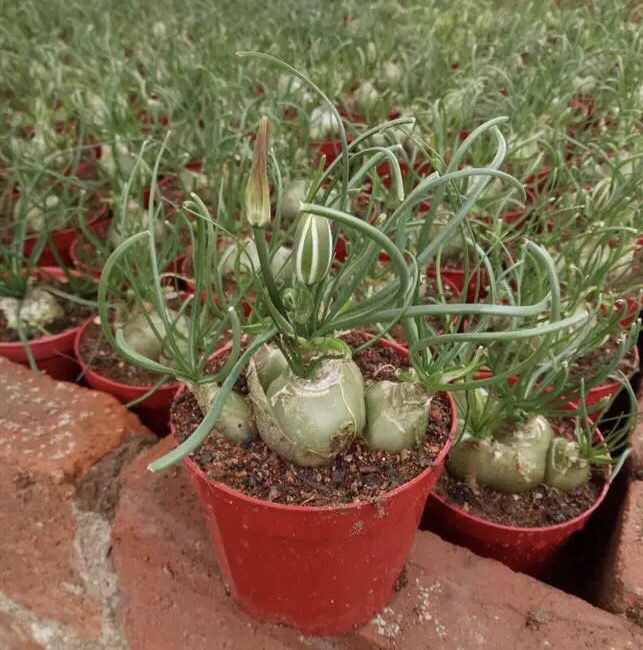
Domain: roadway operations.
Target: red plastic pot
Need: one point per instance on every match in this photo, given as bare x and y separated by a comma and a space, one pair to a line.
348, 116
455, 277
79, 264
594, 395
340, 252
63, 240
536, 183
184, 264
329, 148
150, 119
421, 168
173, 267
324, 570
607, 390
384, 171
169, 181
528, 550
163, 183
155, 409
54, 355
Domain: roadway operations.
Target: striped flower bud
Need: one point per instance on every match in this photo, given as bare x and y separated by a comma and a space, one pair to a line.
257, 190
313, 250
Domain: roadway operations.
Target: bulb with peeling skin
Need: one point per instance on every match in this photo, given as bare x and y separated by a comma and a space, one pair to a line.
270, 363
389, 75
135, 221
236, 421
36, 217
195, 181
397, 415
566, 467
513, 462
309, 421
140, 336
246, 256
294, 193
365, 97
38, 309
323, 124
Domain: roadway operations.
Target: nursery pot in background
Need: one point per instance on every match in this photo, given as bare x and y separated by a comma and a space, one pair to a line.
324, 570
609, 388
604, 391
53, 354
99, 228
153, 410
63, 240
329, 148
528, 550
476, 287
174, 267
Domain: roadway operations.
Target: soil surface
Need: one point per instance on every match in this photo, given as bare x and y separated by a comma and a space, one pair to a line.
99, 355
542, 506
74, 316
356, 474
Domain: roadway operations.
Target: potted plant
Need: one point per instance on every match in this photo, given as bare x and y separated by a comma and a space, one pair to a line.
45, 201
41, 310
528, 468
312, 444
593, 244
143, 327
136, 187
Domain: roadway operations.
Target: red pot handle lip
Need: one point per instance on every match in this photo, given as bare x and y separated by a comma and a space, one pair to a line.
50, 338
87, 370
437, 461
528, 529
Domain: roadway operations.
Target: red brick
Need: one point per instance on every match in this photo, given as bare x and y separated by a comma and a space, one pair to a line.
37, 556
455, 599
15, 636
172, 595
57, 429
622, 589
52, 437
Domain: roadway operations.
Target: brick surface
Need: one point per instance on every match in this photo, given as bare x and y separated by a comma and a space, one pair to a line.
57, 429
622, 589
457, 600
15, 636
173, 596
54, 436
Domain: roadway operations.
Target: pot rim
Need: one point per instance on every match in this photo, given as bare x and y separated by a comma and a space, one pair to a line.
529, 529
48, 338
63, 232
281, 507
117, 385
608, 385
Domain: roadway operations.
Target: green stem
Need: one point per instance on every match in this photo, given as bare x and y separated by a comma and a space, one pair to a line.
266, 270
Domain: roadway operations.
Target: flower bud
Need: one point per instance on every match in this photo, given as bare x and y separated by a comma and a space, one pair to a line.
313, 248
257, 190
